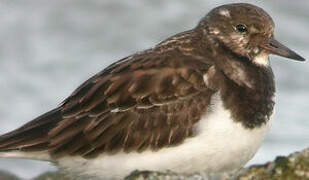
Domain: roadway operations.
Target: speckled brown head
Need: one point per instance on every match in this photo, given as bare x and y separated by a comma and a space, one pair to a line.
247, 31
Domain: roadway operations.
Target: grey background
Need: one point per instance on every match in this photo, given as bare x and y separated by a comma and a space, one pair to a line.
47, 48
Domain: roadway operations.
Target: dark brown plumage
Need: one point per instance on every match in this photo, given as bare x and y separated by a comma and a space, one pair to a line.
153, 99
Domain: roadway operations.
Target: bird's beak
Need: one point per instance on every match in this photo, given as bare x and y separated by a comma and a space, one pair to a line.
275, 47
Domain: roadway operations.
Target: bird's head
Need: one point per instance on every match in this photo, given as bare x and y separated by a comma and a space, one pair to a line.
245, 30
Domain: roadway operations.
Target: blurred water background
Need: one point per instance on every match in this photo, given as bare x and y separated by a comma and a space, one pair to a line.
47, 48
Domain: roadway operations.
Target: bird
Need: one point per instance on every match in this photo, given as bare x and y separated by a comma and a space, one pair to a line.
200, 101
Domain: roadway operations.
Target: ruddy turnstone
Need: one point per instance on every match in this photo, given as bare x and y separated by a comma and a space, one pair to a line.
201, 100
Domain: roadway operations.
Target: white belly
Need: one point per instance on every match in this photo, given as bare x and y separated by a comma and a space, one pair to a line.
220, 145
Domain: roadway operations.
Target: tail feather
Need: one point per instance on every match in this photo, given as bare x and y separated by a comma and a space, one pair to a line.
32, 136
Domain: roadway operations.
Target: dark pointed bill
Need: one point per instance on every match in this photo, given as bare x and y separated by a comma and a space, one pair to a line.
275, 47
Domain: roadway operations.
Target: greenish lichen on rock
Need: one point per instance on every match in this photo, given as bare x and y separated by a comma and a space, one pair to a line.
57, 175
293, 167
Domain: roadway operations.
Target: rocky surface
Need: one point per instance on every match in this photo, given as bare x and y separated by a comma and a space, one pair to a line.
293, 167
52, 176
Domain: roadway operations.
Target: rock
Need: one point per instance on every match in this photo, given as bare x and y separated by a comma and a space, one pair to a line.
293, 167
149, 175
57, 175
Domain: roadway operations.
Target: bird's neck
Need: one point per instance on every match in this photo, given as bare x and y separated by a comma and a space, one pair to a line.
252, 107
247, 91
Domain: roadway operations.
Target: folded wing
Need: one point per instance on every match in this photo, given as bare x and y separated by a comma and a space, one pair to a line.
145, 101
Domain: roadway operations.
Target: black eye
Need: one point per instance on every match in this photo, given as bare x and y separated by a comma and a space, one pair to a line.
241, 28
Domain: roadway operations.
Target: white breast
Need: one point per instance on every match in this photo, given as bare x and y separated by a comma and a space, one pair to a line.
220, 145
